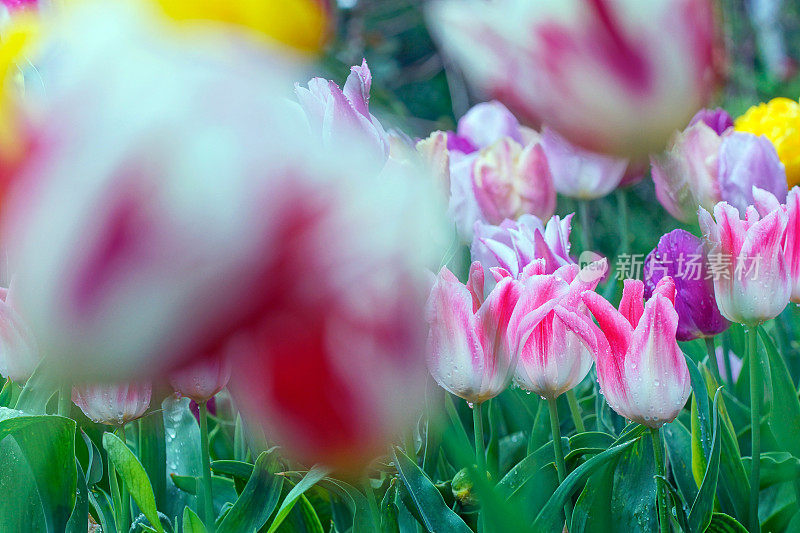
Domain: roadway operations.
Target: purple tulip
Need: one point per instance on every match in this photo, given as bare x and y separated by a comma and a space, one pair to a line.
680, 255
717, 119
745, 161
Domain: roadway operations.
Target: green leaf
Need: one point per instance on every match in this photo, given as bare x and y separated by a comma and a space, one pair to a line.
237, 469
44, 448
80, 513
784, 418
526, 469
592, 513
776, 467
701, 425
94, 464
37, 391
191, 522
722, 523
258, 499
703, 506
435, 514
133, 475
633, 500
308, 481
182, 441
153, 454
679, 450
550, 516
103, 510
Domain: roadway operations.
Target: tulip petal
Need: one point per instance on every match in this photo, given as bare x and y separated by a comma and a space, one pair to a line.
616, 329
632, 304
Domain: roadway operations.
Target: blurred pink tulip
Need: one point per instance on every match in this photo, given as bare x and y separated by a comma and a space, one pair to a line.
641, 369
18, 352
551, 358
469, 348
709, 162
113, 404
513, 245
590, 70
333, 112
766, 202
579, 173
751, 280
202, 380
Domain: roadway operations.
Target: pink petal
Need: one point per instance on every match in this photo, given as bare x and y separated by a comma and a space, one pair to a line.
475, 285
666, 287
616, 329
632, 304
357, 88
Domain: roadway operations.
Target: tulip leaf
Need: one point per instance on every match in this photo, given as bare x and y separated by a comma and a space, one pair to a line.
722, 523
679, 450
776, 467
80, 513
101, 504
434, 514
703, 505
133, 475
38, 465
237, 469
592, 512
153, 454
182, 440
551, 515
37, 391
308, 481
191, 523
526, 469
258, 499
784, 418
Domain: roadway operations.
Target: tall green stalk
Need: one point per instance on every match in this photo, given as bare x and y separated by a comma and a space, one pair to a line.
208, 501
561, 468
64, 400
113, 484
480, 450
756, 391
125, 498
586, 235
575, 411
712, 358
661, 489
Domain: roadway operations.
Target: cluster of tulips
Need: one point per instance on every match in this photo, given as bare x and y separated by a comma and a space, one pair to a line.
176, 217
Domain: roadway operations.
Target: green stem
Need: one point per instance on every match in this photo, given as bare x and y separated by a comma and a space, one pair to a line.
726, 359
712, 358
113, 484
125, 499
64, 400
480, 451
208, 501
663, 507
756, 392
575, 411
561, 467
586, 235
622, 211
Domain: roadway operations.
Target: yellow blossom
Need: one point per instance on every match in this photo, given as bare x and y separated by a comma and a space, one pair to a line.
779, 121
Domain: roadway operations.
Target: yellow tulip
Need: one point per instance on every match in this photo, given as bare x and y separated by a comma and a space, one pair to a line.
779, 121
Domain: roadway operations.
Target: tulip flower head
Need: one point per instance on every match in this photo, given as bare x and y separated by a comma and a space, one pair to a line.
640, 367
710, 162
113, 404
766, 202
751, 278
681, 256
470, 353
19, 354
591, 70
202, 380
551, 358
779, 121
513, 245
579, 173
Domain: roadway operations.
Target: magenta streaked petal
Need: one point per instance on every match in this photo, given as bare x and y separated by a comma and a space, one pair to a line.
632, 305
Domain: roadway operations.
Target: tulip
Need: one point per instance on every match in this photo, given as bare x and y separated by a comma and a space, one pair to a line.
513, 245
113, 404
589, 70
642, 371
496, 169
551, 358
579, 173
201, 380
18, 352
469, 350
751, 278
709, 162
766, 202
333, 112
681, 256
779, 121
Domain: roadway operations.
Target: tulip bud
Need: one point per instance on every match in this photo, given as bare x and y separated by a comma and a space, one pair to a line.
579, 173
641, 369
779, 121
514, 245
113, 404
551, 358
201, 380
591, 70
751, 279
681, 256
709, 162
510, 181
19, 354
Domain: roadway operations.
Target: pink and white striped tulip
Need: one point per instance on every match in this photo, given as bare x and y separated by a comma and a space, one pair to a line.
641, 369
752, 282
551, 358
19, 354
115, 404
766, 202
591, 70
333, 112
579, 173
469, 348
202, 380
